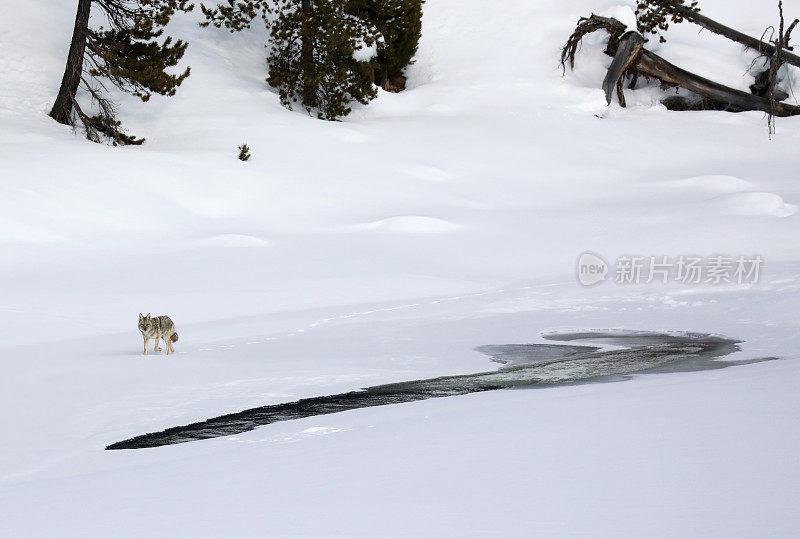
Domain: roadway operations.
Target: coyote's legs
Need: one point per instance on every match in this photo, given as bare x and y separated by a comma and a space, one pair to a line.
169, 343
146, 340
166, 340
156, 349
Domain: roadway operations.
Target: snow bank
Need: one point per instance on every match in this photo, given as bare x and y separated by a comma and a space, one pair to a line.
382, 248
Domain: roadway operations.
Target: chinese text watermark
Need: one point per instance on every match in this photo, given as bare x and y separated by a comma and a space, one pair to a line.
684, 269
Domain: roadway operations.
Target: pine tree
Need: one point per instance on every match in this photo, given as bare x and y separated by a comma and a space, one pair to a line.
127, 55
654, 16
312, 47
312, 60
399, 26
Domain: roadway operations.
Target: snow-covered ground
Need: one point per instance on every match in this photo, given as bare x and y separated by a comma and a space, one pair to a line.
385, 248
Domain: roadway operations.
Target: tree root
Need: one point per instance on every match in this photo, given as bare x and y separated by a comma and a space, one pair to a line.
587, 25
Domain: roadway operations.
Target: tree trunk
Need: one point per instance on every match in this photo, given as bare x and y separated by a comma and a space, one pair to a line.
653, 66
630, 45
62, 109
307, 55
725, 31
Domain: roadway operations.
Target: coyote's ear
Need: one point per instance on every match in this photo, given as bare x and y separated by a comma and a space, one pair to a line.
148, 315
140, 316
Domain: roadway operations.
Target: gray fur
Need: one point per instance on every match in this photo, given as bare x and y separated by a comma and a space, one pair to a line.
157, 327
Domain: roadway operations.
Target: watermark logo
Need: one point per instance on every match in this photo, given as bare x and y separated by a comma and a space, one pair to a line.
713, 270
592, 269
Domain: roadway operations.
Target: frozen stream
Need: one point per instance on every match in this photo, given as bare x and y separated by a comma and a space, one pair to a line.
525, 365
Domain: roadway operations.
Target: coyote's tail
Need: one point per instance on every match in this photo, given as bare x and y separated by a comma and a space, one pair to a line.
174, 337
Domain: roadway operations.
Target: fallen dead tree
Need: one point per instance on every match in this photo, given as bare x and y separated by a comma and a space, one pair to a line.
721, 97
632, 59
730, 33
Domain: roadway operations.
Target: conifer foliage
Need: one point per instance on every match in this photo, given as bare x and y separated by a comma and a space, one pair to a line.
313, 62
127, 54
244, 152
655, 16
399, 25
317, 47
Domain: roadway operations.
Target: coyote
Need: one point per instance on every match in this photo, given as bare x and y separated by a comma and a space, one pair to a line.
158, 327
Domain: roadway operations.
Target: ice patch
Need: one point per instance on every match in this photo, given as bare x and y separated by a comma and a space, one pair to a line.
756, 204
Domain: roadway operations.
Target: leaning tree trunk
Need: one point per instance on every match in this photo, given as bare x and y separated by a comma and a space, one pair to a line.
730, 33
307, 55
653, 66
62, 109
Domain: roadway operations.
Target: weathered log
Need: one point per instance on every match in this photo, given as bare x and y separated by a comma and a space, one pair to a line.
653, 66
725, 31
630, 45
631, 56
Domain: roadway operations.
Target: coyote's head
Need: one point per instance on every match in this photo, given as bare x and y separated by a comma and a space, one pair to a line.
145, 323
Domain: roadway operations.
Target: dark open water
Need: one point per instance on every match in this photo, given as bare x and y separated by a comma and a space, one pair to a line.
525, 365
